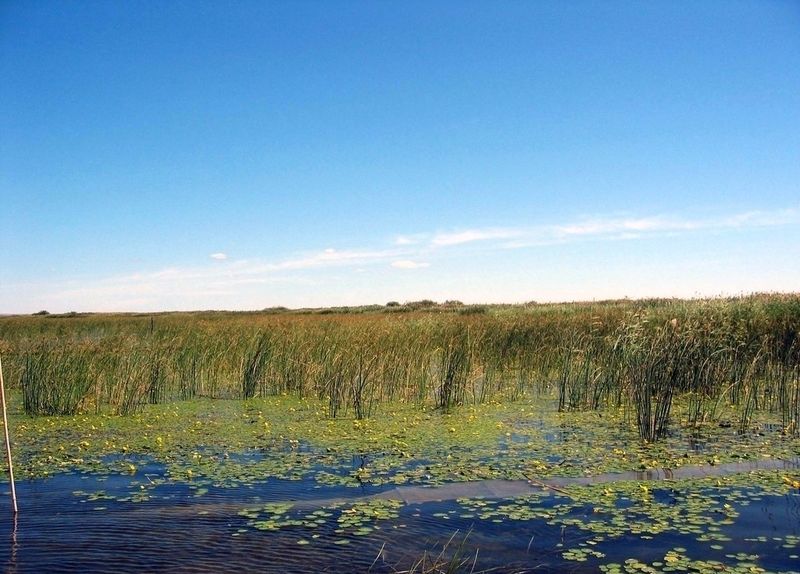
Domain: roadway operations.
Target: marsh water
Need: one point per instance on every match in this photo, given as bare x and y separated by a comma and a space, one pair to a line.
503, 489
61, 529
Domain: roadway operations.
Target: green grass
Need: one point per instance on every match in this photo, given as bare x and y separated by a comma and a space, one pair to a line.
637, 355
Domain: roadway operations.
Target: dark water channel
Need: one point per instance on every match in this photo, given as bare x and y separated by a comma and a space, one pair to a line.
176, 530
57, 531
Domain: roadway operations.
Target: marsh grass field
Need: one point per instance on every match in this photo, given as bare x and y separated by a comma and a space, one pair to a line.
623, 436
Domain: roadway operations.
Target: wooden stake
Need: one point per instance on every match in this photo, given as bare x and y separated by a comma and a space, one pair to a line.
8, 442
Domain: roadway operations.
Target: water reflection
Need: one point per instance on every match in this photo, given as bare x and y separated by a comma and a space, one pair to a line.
12, 561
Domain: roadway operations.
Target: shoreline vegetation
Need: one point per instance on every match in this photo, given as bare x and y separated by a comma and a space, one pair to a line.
638, 355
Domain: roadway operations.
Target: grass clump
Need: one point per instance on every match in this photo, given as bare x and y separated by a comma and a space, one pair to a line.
55, 381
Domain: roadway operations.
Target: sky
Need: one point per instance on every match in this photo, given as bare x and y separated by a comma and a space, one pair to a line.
242, 155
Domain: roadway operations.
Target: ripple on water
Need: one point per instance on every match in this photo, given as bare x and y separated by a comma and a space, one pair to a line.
177, 531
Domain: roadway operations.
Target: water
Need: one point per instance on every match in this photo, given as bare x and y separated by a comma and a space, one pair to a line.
175, 530
228, 518
57, 531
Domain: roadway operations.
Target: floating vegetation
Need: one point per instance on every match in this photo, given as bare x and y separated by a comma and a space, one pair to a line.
676, 560
355, 519
233, 443
197, 451
361, 518
701, 510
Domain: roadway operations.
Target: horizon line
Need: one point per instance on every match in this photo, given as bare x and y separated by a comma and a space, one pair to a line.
421, 304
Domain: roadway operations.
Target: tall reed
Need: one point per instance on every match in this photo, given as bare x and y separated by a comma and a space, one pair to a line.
642, 354
55, 381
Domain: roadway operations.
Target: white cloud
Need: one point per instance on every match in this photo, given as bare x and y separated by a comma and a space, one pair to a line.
671, 224
408, 264
223, 283
458, 238
408, 239
609, 228
332, 257
763, 218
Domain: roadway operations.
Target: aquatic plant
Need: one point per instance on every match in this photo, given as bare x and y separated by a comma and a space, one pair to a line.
640, 355
55, 380
255, 365
453, 369
451, 559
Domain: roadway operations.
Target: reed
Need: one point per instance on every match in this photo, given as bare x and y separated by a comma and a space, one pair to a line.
451, 559
454, 369
743, 352
55, 381
256, 365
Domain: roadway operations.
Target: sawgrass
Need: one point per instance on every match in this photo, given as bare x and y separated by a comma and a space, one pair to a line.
639, 355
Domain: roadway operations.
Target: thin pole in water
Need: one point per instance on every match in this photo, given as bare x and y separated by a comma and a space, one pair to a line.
8, 441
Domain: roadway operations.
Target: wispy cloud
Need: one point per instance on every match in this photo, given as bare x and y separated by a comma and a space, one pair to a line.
230, 283
188, 283
608, 226
332, 257
415, 239
763, 218
408, 264
471, 235
612, 228
207, 286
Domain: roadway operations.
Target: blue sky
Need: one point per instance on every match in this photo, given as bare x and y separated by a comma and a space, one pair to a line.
197, 155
